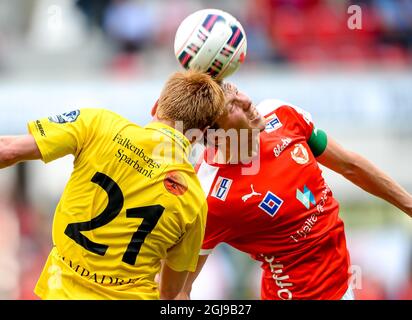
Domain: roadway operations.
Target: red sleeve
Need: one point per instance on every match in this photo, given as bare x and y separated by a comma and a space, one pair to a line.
215, 232
303, 120
278, 112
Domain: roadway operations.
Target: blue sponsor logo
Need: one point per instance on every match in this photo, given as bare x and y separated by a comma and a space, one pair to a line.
273, 123
271, 204
306, 197
222, 188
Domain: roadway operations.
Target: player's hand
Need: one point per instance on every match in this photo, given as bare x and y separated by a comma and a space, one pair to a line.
182, 296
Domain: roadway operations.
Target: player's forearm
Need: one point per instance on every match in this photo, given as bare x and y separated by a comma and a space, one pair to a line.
186, 291
7, 155
168, 295
373, 180
14, 149
171, 282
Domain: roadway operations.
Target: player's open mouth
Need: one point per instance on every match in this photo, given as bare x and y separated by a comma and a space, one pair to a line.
254, 116
256, 119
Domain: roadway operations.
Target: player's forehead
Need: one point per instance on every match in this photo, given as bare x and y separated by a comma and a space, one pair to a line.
229, 89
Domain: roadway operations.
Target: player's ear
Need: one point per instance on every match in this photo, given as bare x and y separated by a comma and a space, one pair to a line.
154, 109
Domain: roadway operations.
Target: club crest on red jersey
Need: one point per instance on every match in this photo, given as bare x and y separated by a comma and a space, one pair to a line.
300, 154
221, 189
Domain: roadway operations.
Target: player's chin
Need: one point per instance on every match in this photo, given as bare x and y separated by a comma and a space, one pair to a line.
258, 123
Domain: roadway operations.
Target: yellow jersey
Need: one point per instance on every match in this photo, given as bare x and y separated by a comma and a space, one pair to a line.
133, 199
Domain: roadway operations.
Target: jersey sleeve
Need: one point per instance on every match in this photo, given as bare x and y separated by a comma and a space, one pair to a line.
216, 232
64, 134
316, 138
303, 120
184, 255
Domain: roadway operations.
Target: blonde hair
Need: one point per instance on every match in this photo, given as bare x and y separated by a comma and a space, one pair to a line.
192, 97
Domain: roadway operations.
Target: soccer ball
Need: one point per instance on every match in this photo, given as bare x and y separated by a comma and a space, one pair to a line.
211, 41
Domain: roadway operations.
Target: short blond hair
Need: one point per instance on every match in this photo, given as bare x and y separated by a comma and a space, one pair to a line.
192, 97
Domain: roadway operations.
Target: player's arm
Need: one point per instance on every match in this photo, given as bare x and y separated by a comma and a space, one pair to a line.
365, 175
14, 149
182, 258
171, 282
187, 288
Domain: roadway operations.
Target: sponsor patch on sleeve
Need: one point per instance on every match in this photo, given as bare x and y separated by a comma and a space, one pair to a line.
175, 183
221, 189
272, 123
66, 117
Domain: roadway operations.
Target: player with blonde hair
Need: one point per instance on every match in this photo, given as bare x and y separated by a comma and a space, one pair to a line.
267, 197
129, 204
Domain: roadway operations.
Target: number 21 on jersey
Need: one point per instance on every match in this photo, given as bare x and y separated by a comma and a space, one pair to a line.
149, 214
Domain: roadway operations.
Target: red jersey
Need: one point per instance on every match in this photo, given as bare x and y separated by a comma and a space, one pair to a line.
284, 216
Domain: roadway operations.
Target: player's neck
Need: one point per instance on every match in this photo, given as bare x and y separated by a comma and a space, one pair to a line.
193, 138
169, 123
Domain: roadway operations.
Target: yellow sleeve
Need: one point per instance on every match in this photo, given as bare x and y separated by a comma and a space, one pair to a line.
184, 256
58, 136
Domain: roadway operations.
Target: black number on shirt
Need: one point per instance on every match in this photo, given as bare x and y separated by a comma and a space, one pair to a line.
150, 215
112, 210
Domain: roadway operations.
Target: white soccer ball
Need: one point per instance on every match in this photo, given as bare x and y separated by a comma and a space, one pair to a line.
211, 41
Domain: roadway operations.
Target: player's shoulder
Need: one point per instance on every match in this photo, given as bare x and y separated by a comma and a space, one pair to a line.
268, 107
98, 112
105, 117
182, 175
183, 186
89, 114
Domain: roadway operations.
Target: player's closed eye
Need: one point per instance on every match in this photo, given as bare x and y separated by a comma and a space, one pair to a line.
232, 106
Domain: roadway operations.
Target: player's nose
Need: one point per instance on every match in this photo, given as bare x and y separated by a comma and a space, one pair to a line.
246, 104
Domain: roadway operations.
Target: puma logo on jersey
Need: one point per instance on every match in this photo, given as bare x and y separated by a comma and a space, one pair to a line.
250, 195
